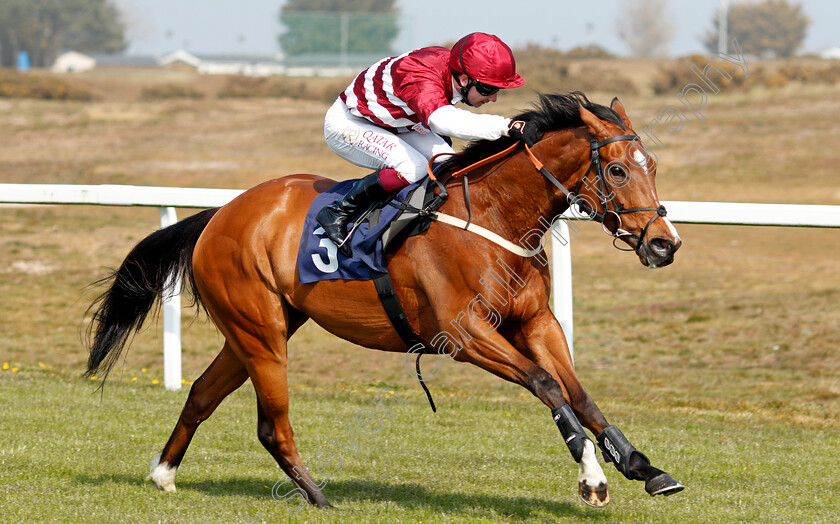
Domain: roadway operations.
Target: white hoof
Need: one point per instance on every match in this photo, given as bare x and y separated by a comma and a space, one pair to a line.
163, 475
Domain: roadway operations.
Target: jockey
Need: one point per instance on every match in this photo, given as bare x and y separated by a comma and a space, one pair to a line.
394, 116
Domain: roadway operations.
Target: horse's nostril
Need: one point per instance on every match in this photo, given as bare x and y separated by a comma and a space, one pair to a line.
662, 246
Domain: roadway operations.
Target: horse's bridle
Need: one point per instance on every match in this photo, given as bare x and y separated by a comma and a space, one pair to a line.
607, 199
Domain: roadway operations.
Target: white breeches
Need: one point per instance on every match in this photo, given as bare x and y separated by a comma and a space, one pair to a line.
365, 144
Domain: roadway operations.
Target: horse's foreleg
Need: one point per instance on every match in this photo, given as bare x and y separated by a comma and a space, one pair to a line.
224, 375
497, 356
634, 464
592, 483
547, 345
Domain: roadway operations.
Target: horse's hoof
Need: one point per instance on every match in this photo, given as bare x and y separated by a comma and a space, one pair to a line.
663, 484
595, 496
162, 475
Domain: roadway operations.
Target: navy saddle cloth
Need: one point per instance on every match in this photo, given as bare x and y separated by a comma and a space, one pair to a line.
320, 259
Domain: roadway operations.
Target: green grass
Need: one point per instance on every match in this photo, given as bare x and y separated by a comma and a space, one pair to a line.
75, 455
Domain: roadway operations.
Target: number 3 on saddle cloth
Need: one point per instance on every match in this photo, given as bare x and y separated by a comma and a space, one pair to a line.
320, 259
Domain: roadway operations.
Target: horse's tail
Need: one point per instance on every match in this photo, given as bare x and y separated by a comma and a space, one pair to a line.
147, 273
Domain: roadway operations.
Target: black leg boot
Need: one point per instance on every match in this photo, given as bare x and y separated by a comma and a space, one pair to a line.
335, 217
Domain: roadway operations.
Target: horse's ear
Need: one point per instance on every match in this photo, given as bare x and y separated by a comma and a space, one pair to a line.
616, 106
596, 127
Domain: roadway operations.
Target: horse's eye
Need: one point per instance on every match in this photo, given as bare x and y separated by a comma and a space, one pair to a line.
617, 172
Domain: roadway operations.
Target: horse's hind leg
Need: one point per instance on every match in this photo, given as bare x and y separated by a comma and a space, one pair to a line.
259, 340
274, 429
224, 375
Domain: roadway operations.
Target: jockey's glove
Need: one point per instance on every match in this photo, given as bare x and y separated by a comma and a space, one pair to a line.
524, 130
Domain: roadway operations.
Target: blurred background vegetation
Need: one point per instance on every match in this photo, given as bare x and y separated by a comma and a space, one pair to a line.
769, 32
585, 69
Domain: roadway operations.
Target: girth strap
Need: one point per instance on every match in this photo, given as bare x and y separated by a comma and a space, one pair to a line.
396, 314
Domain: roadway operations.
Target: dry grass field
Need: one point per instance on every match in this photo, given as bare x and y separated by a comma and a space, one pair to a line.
732, 348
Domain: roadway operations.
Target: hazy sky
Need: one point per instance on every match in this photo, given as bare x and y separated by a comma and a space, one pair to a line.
251, 26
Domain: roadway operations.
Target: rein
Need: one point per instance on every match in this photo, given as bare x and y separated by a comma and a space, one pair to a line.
468, 225
471, 167
607, 199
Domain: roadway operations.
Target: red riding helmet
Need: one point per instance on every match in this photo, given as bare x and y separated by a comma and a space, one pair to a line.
487, 59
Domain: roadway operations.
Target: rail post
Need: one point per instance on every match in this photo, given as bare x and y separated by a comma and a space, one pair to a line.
171, 318
561, 276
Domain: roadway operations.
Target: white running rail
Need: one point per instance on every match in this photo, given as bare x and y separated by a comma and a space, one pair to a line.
168, 198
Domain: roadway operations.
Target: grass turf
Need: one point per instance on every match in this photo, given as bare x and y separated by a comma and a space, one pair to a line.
70, 454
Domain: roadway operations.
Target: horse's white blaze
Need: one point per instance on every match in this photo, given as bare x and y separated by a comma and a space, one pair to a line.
590, 470
163, 475
672, 229
639, 157
642, 160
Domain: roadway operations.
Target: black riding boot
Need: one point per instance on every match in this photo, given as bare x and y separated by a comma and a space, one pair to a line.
335, 217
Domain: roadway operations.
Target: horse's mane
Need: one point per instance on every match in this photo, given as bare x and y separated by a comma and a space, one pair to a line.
552, 113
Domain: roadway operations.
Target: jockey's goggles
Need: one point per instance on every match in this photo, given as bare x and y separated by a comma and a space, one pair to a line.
485, 89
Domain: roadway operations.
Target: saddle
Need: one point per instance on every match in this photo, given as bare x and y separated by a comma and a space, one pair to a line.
413, 211
387, 222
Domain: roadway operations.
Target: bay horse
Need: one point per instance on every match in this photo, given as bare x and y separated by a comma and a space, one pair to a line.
240, 261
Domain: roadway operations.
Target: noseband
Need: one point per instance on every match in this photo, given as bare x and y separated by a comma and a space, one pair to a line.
607, 198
